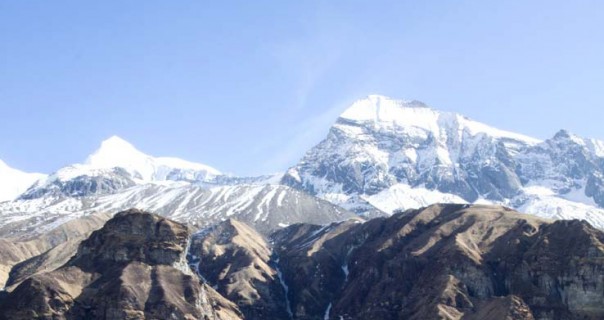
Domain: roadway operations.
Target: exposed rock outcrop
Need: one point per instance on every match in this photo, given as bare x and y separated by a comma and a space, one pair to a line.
445, 262
439, 262
381, 145
21, 257
236, 260
133, 268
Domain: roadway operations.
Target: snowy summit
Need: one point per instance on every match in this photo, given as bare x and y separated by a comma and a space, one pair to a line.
387, 112
117, 152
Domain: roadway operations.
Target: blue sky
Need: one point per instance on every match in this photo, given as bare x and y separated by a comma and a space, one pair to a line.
249, 86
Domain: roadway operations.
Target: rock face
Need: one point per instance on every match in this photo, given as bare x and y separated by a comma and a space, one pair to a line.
134, 236
102, 182
445, 262
21, 257
379, 142
237, 261
133, 268
454, 261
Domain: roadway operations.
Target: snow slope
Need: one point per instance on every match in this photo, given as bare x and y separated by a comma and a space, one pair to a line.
266, 207
116, 152
14, 182
117, 165
402, 197
386, 112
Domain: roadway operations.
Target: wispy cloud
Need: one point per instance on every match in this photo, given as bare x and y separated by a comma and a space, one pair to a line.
303, 136
308, 59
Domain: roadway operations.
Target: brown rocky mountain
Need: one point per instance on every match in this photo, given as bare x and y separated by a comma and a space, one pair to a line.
439, 262
236, 260
23, 256
445, 262
133, 268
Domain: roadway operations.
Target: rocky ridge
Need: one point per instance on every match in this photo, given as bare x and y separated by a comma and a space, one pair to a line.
450, 261
394, 154
23, 256
445, 262
134, 267
237, 261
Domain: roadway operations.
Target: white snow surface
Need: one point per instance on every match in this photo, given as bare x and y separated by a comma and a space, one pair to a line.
14, 182
285, 289
384, 111
554, 207
116, 152
198, 206
403, 197
327, 311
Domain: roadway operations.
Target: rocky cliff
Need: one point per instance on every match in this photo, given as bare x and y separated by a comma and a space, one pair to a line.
445, 262
133, 268
237, 261
395, 154
448, 261
23, 256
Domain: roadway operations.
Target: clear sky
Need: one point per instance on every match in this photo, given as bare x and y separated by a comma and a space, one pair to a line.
249, 86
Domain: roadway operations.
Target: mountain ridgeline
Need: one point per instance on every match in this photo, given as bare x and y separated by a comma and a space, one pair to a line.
381, 155
380, 145
133, 268
401, 212
440, 262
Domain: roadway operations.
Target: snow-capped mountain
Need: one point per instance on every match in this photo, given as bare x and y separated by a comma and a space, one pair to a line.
116, 152
397, 154
117, 165
14, 182
381, 155
283, 246
117, 177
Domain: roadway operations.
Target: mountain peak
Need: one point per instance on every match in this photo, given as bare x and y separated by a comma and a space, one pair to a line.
5, 167
115, 144
379, 108
116, 152
115, 141
386, 112
563, 134
377, 98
